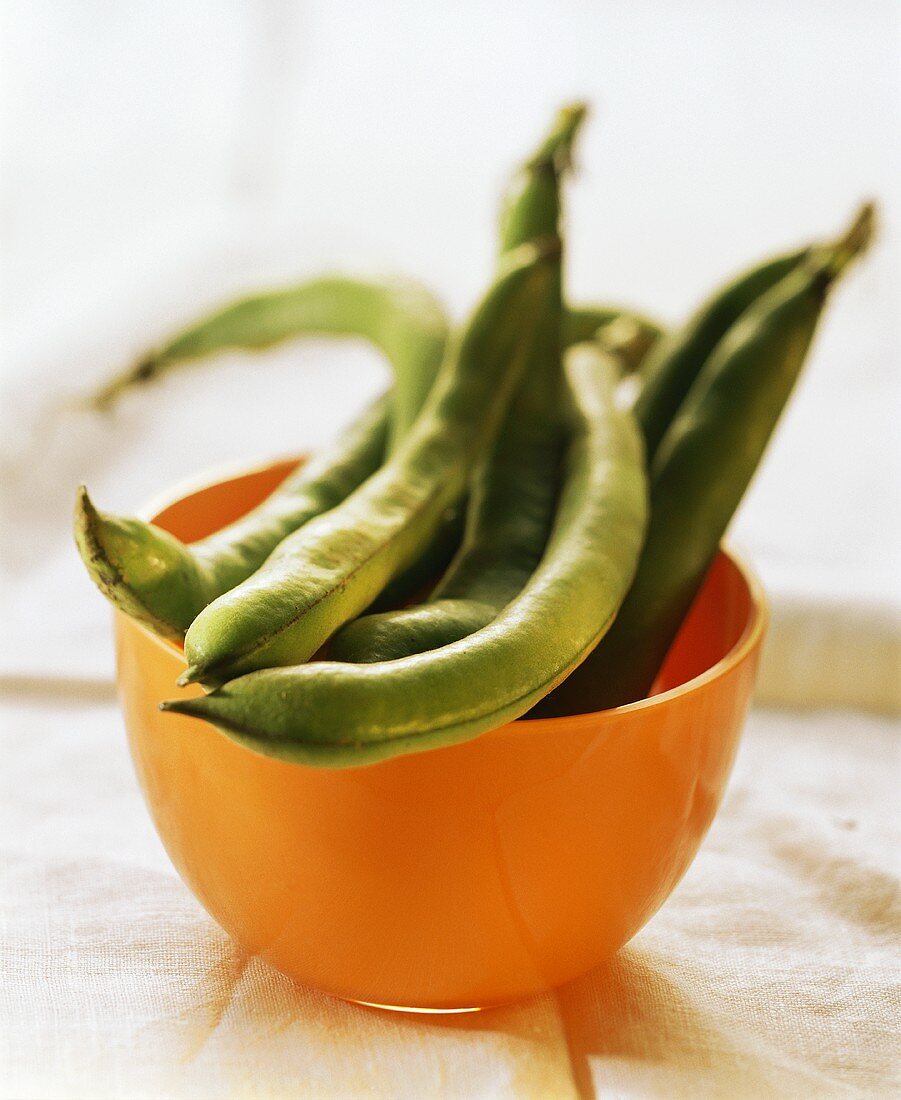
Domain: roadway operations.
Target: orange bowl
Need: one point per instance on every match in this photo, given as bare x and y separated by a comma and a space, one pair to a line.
459, 877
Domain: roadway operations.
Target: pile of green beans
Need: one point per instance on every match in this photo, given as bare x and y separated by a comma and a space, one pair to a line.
334, 714
158, 580
702, 466
549, 484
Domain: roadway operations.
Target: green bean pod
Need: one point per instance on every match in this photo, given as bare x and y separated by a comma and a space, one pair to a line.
674, 361
158, 580
397, 316
332, 568
332, 714
514, 493
164, 583
507, 526
701, 471
155, 578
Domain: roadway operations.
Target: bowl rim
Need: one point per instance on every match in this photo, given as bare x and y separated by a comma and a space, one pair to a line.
758, 615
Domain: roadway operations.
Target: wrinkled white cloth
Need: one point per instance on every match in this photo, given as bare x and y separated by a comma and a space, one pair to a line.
771, 972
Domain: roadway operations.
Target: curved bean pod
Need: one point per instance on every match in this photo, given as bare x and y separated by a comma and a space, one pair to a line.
331, 714
332, 568
700, 474
152, 576
514, 492
155, 578
164, 583
397, 316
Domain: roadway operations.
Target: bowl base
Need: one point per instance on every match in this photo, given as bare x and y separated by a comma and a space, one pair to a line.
420, 1011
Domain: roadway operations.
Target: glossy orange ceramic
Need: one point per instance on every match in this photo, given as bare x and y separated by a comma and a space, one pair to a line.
459, 877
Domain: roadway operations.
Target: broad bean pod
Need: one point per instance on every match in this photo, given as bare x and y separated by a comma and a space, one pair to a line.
673, 363
397, 316
164, 583
514, 493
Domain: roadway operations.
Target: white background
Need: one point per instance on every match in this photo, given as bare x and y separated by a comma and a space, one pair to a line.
159, 156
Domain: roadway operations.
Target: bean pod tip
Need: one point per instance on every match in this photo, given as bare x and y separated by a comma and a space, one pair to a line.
855, 240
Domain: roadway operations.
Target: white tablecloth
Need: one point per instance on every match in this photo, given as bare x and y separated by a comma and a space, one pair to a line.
771, 972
